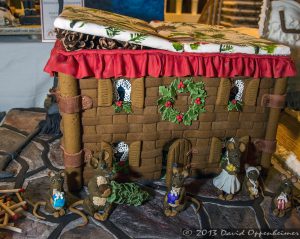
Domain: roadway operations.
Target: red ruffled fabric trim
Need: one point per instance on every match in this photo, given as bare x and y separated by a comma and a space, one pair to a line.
157, 63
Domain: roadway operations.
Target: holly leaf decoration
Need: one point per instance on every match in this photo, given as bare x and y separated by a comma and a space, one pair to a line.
127, 107
197, 95
235, 105
187, 119
164, 91
161, 101
117, 108
166, 114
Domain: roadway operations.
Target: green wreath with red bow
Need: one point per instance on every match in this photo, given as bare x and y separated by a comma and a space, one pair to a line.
169, 95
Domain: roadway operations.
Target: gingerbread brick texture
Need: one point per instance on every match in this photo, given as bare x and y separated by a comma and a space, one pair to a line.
147, 135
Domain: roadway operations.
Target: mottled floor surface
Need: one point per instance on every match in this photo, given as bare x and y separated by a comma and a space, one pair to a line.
148, 221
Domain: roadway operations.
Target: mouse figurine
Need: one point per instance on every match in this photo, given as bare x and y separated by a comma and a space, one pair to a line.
227, 181
59, 200
56, 204
175, 199
96, 204
251, 184
104, 193
283, 200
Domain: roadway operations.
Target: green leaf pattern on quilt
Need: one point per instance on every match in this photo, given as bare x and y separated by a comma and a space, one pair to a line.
112, 31
176, 34
81, 25
226, 48
194, 46
107, 19
225, 37
177, 46
218, 36
73, 22
200, 35
269, 48
137, 37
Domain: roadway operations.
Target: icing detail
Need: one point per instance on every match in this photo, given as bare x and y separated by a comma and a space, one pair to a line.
101, 180
58, 199
98, 201
173, 195
281, 201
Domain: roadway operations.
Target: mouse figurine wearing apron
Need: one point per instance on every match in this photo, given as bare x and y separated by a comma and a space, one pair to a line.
227, 181
283, 200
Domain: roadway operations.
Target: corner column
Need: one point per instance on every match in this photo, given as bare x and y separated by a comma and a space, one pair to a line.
279, 89
71, 142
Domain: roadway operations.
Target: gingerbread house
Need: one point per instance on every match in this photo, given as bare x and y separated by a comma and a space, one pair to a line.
162, 92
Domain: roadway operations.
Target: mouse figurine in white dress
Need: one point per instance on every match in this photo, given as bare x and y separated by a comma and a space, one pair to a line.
227, 181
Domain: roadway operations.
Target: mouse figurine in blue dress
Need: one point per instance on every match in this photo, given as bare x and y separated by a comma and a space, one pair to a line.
56, 202
176, 199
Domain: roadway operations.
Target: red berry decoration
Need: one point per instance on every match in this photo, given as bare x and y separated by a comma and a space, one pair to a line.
198, 101
168, 104
233, 101
119, 103
179, 118
180, 85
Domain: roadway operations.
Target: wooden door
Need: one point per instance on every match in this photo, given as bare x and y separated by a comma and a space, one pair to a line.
179, 152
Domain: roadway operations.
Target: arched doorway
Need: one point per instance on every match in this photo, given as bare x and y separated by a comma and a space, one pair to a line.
180, 153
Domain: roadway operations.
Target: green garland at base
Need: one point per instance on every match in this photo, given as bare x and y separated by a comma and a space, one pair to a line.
127, 193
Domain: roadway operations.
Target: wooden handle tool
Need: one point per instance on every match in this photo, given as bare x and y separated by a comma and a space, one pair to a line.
13, 215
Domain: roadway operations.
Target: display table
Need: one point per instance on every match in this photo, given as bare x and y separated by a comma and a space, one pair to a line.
22, 80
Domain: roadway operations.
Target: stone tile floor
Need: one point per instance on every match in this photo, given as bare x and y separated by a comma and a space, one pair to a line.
148, 221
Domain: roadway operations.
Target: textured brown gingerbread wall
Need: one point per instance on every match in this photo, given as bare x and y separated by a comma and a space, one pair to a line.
103, 124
